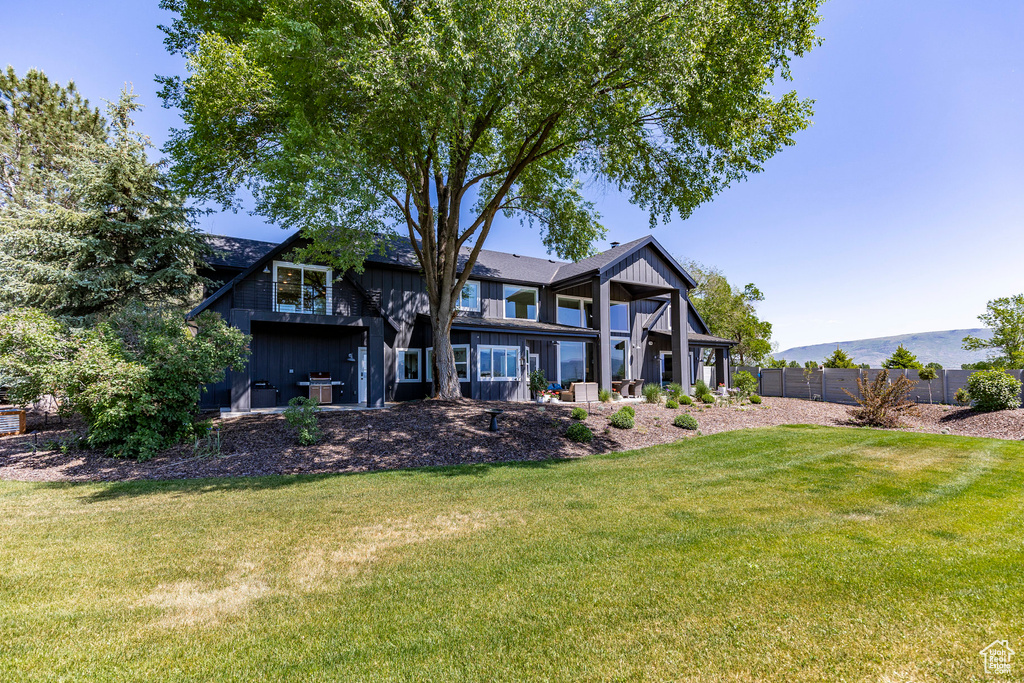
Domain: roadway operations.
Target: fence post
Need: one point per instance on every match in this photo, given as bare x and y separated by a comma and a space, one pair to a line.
945, 387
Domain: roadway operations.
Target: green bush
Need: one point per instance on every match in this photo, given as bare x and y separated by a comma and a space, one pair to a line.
686, 421
755, 399
135, 379
672, 404
686, 400
621, 420
745, 383
629, 410
706, 397
961, 396
674, 390
604, 395
993, 390
301, 416
579, 432
538, 382
578, 413
700, 387
652, 393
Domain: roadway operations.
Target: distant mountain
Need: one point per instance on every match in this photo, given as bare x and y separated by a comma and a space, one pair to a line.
942, 347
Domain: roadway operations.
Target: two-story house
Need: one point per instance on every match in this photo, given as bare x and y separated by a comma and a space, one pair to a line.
621, 314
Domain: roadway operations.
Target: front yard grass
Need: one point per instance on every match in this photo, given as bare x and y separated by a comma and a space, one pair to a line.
791, 553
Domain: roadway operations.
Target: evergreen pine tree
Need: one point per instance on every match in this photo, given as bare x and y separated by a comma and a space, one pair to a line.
839, 359
125, 237
43, 127
901, 359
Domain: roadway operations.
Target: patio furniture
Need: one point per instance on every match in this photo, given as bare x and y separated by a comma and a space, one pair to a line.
636, 388
618, 386
494, 413
579, 392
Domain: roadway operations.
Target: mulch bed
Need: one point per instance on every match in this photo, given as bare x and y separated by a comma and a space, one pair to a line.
426, 433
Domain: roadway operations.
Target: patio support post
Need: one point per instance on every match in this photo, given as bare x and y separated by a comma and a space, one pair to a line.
601, 293
721, 368
680, 350
240, 319
375, 364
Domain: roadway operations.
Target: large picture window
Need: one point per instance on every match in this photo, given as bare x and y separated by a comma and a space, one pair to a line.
576, 363
575, 312
499, 363
619, 317
620, 359
469, 298
520, 302
302, 289
409, 365
461, 362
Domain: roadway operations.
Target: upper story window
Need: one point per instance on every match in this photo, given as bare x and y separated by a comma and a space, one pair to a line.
575, 312
619, 318
299, 288
521, 302
469, 298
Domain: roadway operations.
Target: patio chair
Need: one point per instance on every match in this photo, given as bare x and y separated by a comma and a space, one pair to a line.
636, 388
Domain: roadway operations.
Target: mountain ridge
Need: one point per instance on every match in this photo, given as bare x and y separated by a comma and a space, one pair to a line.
941, 346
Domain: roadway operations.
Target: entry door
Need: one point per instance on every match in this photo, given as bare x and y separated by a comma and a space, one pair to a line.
362, 374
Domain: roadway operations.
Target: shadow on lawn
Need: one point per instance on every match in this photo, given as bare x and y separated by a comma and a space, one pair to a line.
108, 491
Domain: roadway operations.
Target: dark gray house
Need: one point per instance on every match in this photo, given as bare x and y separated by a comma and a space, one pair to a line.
622, 314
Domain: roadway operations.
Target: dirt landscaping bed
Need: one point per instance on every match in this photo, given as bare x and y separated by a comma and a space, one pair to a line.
426, 433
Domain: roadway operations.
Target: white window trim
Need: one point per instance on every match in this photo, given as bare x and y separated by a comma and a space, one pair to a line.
628, 321
479, 298
430, 366
399, 353
504, 314
489, 347
302, 266
583, 312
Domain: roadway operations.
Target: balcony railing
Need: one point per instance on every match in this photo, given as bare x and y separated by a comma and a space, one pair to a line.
283, 297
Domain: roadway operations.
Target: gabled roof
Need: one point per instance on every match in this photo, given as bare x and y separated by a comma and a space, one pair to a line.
236, 252
496, 265
600, 263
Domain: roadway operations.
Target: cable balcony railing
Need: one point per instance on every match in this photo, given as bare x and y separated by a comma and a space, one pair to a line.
285, 297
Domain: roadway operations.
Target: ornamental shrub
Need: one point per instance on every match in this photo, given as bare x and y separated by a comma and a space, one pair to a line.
685, 400
652, 393
962, 397
700, 387
621, 420
706, 397
578, 413
604, 395
629, 410
755, 399
301, 416
990, 390
745, 383
672, 404
135, 379
686, 421
579, 432
882, 403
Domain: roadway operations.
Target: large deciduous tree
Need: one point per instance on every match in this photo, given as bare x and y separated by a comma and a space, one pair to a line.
104, 231
1005, 316
730, 312
353, 120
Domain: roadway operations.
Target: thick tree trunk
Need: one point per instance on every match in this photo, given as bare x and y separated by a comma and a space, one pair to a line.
446, 380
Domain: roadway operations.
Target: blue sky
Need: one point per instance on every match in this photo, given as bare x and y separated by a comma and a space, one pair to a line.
901, 209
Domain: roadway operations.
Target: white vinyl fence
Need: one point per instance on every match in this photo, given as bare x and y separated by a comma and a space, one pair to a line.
827, 384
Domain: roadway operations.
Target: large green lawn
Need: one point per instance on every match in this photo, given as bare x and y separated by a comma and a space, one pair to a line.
793, 553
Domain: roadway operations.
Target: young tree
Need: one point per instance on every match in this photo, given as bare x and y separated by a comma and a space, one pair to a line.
839, 359
901, 359
436, 117
1006, 318
730, 312
44, 128
927, 374
125, 236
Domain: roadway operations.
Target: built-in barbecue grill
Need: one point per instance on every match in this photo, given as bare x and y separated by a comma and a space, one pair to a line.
321, 386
